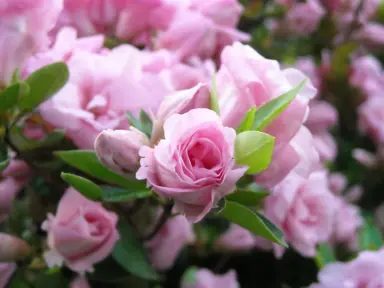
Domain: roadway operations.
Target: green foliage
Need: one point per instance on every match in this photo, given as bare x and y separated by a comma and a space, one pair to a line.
254, 149
43, 84
85, 186
144, 123
253, 221
214, 97
247, 197
11, 95
324, 255
131, 255
114, 194
370, 237
4, 156
247, 122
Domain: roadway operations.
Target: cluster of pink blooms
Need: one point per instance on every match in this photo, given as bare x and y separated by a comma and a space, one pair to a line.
189, 157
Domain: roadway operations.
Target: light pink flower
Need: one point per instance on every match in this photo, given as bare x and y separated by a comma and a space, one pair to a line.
81, 234
304, 18
337, 183
365, 271
201, 30
364, 157
6, 271
118, 150
307, 65
247, 79
304, 209
24, 27
164, 248
194, 164
372, 34
206, 279
371, 118
100, 90
80, 282
236, 238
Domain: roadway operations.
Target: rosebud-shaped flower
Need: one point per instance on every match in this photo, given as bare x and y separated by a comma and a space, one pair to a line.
80, 282
164, 248
81, 234
6, 271
205, 278
118, 150
12, 248
194, 164
24, 27
236, 238
179, 102
304, 209
367, 271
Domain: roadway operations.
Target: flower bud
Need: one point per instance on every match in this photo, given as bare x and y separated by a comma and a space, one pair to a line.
12, 248
118, 150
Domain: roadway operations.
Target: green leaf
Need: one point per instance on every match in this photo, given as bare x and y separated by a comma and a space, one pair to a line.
340, 59
247, 197
214, 97
131, 255
144, 123
254, 149
87, 162
10, 96
43, 84
247, 122
253, 221
113, 194
324, 255
46, 280
269, 111
4, 156
189, 276
370, 237
85, 186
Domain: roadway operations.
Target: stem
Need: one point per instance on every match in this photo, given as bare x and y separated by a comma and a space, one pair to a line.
167, 212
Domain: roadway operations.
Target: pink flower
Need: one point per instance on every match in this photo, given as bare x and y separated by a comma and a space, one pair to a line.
194, 164
304, 209
118, 150
247, 79
371, 117
81, 234
304, 18
367, 75
164, 248
80, 282
236, 238
6, 271
365, 271
308, 66
13, 248
206, 279
371, 34
364, 157
337, 183
100, 90
202, 30
24, 27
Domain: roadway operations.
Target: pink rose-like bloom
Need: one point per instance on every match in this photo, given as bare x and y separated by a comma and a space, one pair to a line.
118, 150
164, 248
80, 282
194, 164
365, 271
100, 90
245, 80
337, 182
367, 75
6, 271
371, 34
236, 238
206, 279
304, 18
364, 157
201, 30
24, 27
304, 209
308, 66
81, 234
371, 118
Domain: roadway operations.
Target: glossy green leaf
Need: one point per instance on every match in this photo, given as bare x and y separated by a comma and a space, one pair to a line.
87, 162
144, 123
253, 221
214, 97
46, 280
131, 255
10, 96
4, 156
324, 255
43, 84
370, 237
85, 186
254, 149
247, 197
114, 194
189, 276
269, 111
247, 122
